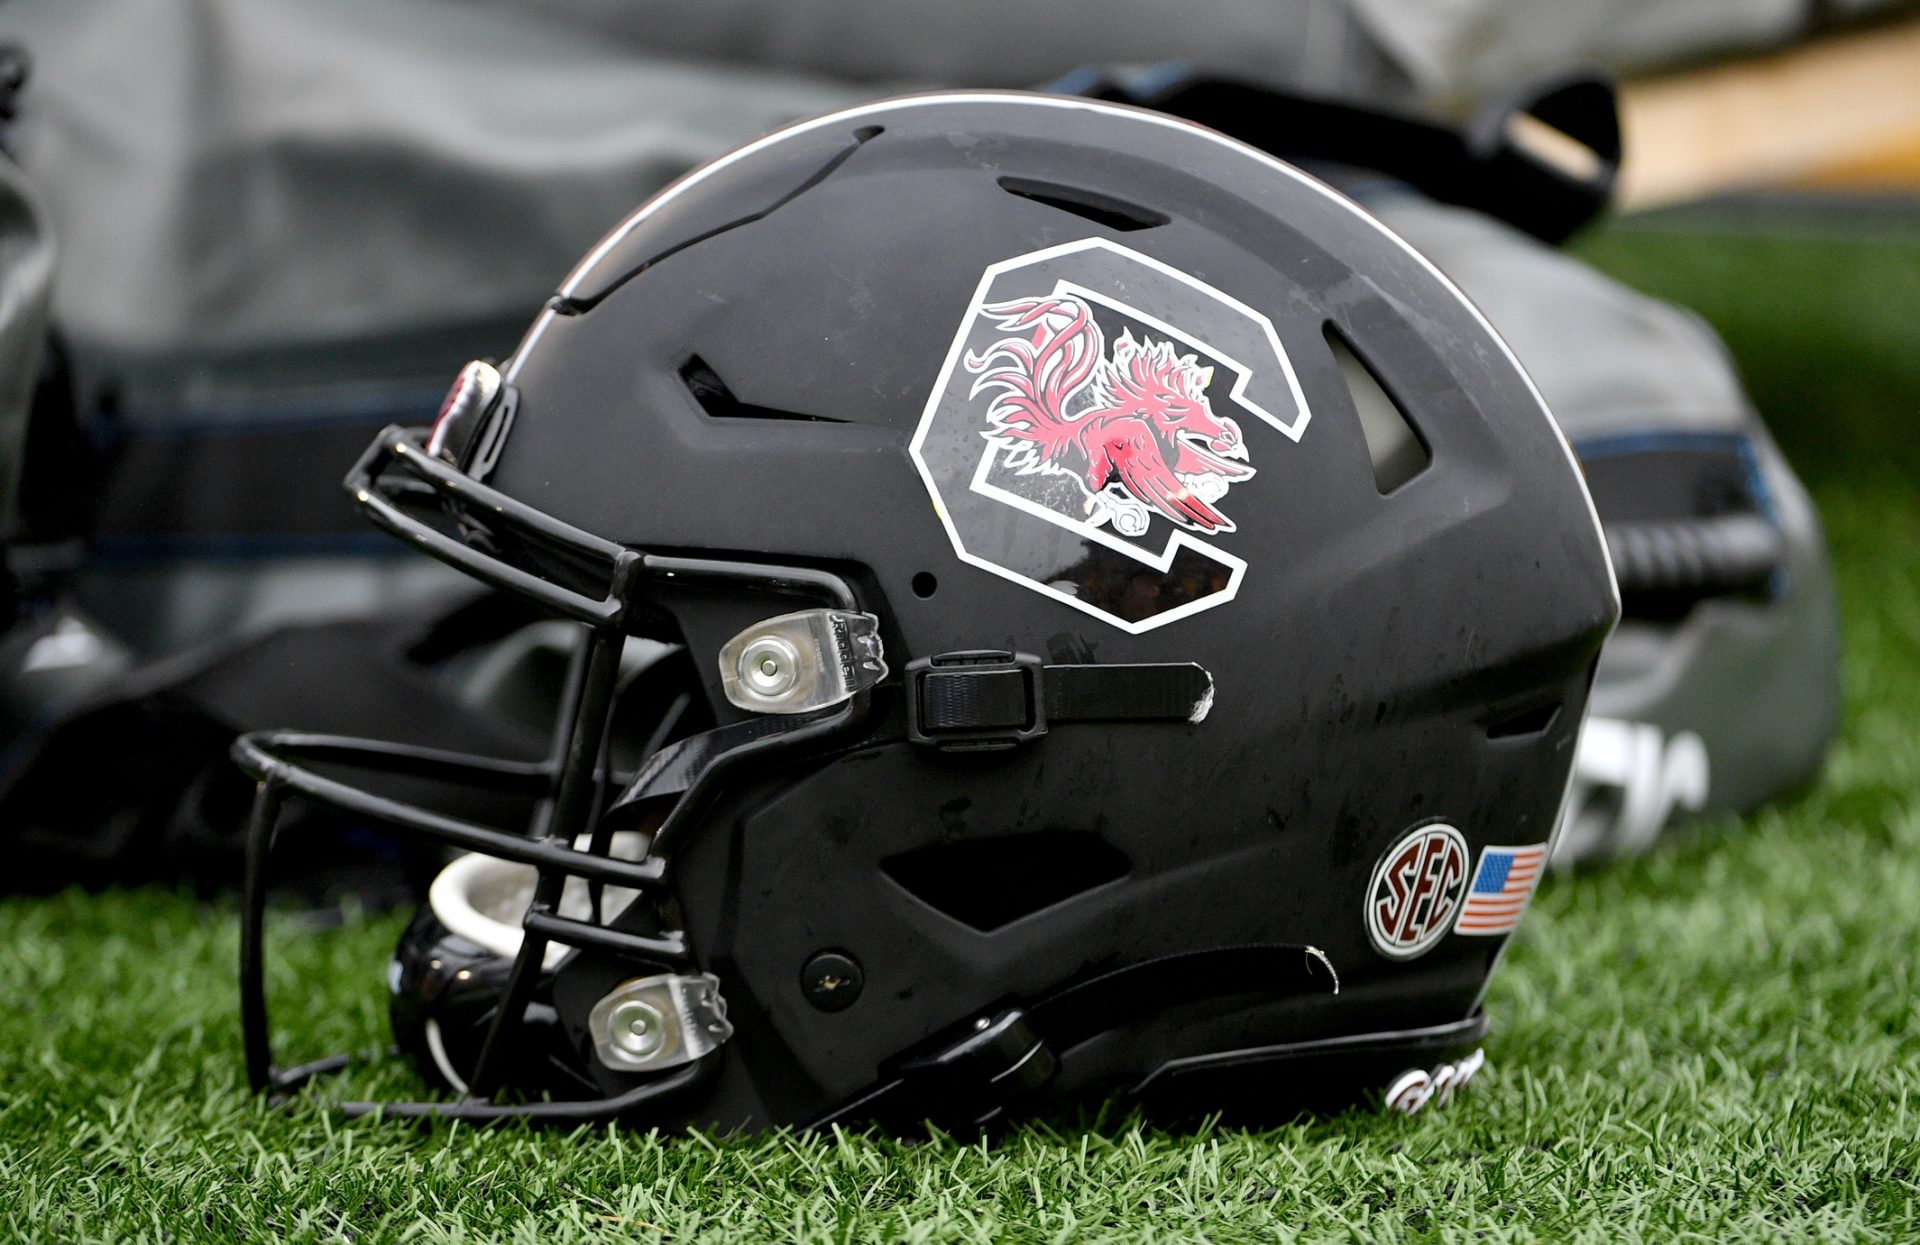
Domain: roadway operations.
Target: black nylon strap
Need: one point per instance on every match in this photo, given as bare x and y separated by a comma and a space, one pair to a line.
997, 699
1175, 691
1480, 165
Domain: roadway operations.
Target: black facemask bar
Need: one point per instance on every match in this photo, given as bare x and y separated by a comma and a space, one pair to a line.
569, 786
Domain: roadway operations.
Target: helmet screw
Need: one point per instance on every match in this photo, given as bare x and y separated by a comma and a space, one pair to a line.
770, 666
831, 981
636, 1028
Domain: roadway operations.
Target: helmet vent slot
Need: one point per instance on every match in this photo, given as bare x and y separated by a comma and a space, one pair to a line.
719, 401
1393, 443
1115, 214
990, 883
1527, 722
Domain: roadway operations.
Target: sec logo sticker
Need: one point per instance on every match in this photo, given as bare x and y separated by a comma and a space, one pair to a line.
1416, 891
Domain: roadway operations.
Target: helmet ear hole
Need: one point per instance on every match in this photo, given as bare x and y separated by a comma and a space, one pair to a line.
925, 585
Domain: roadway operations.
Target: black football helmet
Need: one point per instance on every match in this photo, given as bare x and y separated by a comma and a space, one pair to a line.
1106, 615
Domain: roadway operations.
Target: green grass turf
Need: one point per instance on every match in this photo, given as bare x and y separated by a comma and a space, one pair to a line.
1720, 1041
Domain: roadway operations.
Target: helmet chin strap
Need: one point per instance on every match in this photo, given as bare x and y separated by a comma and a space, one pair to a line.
971, 701
982, 1067
673, 770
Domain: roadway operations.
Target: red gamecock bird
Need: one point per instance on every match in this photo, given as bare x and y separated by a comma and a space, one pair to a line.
1135, 429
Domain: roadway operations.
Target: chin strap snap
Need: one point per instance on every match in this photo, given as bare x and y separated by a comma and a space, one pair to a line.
975, 701
992, 1064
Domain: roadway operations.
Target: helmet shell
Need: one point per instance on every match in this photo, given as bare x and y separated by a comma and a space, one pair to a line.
1384, 662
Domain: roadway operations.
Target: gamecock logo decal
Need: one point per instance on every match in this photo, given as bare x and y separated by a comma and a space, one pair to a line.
1136, 429
1089, 423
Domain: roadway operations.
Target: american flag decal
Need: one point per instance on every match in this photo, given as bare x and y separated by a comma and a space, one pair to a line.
1502, 885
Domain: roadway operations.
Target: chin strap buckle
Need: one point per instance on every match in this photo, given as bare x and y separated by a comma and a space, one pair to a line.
976, 701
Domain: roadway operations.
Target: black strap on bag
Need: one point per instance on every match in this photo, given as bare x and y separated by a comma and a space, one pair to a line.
15, 68
1544, 159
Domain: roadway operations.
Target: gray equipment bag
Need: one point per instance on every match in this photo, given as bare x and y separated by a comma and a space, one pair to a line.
1719, 690
286, 225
